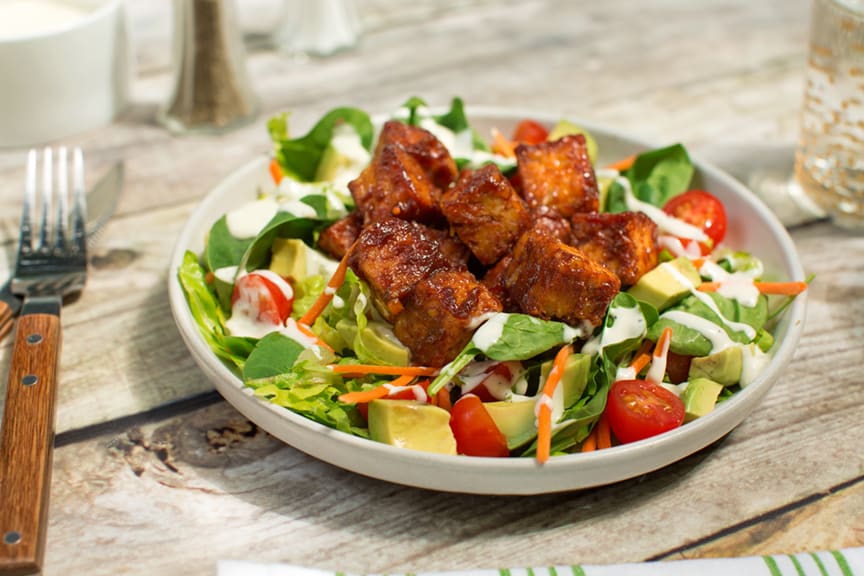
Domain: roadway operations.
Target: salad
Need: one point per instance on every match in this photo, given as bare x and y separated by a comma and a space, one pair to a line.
418, 285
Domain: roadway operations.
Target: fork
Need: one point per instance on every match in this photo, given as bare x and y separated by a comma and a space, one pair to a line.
52, 263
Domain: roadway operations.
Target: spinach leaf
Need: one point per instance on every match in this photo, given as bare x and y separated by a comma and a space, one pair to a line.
658, 175
299, 157
283, 225
223, 250
274, 354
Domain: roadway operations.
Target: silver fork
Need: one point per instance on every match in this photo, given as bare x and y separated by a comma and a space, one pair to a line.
52, 263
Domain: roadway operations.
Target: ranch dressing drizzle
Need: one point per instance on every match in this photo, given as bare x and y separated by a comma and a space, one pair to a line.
627, 324
665, 222
737, 286
248, 220
753, 362
709, 302
490, 332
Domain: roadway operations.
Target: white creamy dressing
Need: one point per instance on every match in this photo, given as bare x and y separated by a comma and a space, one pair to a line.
226, 274
714, 333
249, 219
709, 302
489, 332
677, 248
658, 364
20, 18
419, 393
738, 286
627, 324
753, 362
665, 222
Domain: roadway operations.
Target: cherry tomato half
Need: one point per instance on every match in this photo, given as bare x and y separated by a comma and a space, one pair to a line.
530, 132
475, 432
264, 296
701, 209
638, 409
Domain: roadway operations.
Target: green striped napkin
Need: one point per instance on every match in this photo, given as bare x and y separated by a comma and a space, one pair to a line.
846, 562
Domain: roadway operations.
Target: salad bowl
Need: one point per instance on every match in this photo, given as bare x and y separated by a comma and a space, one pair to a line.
751, 226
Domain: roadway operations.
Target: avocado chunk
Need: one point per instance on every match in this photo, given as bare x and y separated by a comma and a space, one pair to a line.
667, 284
411, 424
288, 258
378, 342
574, 379
700, 397
566, 128
515, 419
343, 158
723, 367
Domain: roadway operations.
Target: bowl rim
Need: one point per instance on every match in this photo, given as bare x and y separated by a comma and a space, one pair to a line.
675, 444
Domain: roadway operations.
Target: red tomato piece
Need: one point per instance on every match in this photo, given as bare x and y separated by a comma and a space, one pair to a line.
703, 210
638, 409
264, 296
475, 432
530, 132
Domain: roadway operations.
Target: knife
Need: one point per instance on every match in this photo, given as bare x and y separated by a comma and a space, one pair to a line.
101, 203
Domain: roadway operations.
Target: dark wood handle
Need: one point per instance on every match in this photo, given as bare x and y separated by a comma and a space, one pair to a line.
6, 319
27, 443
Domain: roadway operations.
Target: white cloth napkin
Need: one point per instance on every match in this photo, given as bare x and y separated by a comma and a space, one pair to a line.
846, 562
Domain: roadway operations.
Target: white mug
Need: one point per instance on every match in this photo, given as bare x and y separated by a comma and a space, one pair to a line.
63, 71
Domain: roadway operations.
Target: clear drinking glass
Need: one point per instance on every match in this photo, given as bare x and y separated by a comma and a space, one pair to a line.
829, 161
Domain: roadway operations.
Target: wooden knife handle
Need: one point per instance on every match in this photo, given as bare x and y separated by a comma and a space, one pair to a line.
27, 443
6, 318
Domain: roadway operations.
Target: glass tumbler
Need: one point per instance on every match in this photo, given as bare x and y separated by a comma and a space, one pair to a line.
829, 161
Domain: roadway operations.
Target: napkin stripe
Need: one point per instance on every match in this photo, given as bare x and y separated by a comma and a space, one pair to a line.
771, 563
798, 567
841, 561
819, 564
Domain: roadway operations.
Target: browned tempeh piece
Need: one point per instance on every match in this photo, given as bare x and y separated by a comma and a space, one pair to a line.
424, 147
625, 243
337, 238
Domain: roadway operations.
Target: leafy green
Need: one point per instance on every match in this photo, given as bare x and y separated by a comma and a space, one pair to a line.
207, 313
223, 250
283, 225
313, 390
299, 157
655, 177
505, 337
274, 354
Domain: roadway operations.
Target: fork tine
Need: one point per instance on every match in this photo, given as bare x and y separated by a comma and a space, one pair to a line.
47, 193
62, 214
79, 199
25, 244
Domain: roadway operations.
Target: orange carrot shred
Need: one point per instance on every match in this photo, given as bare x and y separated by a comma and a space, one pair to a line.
276, 171
665, 336
442, 399
363, 396
501, 145
604, 434
327, 295
776, 288
642, 357
544, 414
622, 164
413, 371
307, 332
590, 442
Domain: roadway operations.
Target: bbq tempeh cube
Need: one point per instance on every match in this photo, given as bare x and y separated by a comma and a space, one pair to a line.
441, 314
395, 184
559, 175
625, 243
421, 144
392, 256
554, 281
336, 239
485, 212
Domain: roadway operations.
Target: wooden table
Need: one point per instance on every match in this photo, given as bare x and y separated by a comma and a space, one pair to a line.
156, 474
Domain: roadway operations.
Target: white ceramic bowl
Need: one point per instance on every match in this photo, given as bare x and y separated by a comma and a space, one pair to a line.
751, 227
65, 78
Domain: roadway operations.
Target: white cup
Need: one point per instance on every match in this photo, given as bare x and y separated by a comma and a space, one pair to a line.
63, 68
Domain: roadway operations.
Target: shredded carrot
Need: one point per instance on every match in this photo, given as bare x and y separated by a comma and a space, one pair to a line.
590, 442
308, 332
412, 371
604, 434
327, 295
661, 347
544, 414
501, 145
642, 357
276, 171
442, 399
778, 288
381, 391
622, 164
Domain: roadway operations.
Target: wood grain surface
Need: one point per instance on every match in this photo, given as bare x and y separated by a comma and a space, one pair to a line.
155, 474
